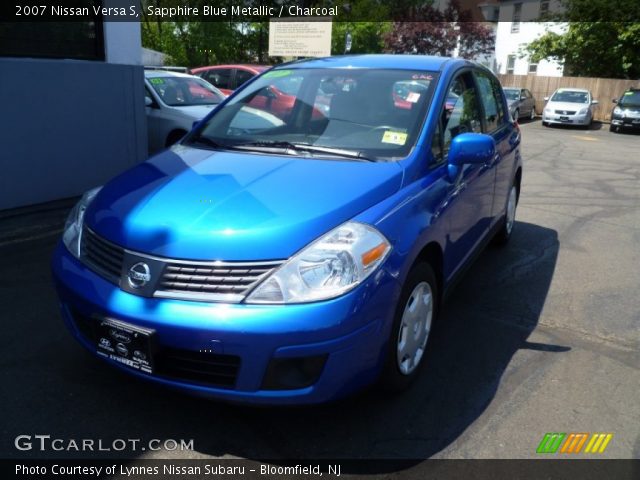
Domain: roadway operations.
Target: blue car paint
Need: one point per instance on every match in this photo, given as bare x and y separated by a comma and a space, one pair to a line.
197, 204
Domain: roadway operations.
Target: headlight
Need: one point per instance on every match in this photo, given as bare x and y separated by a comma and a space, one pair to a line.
547, 111
583, 111
330, 266
73, 227
618, 111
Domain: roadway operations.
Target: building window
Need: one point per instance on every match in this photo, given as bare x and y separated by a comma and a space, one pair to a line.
533, 68
544, 8
511, 63
515, 21
78, 40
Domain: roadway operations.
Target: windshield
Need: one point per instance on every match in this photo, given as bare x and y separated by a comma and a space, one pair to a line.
185, 91
630, 99
512, 93
570, 96
373, 114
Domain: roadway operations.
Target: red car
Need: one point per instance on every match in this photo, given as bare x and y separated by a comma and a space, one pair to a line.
229, 77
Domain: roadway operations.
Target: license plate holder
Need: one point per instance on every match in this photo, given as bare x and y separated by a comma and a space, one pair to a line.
124, 343
564, 119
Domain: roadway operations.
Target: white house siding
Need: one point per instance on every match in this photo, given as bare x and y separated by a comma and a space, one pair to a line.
509, 42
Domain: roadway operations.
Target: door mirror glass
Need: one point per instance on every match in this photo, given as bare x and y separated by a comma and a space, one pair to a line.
147, 101
594, 102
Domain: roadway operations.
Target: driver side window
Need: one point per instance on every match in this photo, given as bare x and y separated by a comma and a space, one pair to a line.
461, 112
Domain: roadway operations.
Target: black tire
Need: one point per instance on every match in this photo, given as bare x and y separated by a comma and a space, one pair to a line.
506, 231
174, 136
391, 378
545, 124
614, 128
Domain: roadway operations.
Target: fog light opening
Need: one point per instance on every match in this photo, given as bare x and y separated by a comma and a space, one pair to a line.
293, 373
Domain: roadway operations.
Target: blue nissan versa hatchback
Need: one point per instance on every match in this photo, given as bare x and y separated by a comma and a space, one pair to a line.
296, 253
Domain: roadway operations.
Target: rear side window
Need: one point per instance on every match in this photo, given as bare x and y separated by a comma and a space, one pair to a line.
242, 76
220, 78
490, 94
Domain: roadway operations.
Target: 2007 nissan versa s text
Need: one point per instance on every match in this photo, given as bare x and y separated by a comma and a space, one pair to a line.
296, 255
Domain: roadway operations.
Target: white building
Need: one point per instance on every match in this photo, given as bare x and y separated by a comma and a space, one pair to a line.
517, 26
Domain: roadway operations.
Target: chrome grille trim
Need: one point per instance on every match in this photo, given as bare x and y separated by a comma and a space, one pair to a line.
208, 281
103, 257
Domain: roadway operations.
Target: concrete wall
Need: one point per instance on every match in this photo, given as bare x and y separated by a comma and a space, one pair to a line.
67, 126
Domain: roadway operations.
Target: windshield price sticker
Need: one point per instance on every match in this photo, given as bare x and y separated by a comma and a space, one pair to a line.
396, 138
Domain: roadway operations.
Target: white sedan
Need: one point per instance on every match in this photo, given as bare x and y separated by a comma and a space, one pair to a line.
174, 101
569, 106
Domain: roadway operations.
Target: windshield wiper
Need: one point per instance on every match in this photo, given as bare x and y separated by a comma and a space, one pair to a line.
208, 142
305, 147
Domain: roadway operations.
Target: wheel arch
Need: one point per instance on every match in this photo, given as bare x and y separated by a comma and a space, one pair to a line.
432, 254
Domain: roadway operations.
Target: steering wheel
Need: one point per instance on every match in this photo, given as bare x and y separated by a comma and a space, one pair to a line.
382, 127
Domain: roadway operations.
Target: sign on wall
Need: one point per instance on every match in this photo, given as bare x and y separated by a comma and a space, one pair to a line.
299, 39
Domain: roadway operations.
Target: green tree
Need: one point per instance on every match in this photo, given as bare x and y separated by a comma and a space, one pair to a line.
592, 49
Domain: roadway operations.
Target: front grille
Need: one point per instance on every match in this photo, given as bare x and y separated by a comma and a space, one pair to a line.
565, 112
198, 367
223, 279
180, 279
101, 256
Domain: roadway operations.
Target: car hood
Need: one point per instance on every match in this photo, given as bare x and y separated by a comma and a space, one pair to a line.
204, 205
197, 112
572, 107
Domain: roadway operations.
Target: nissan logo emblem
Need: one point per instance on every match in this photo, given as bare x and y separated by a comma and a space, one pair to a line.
139, 275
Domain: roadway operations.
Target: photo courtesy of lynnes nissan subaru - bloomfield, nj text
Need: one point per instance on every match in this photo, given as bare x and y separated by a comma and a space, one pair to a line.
296, 255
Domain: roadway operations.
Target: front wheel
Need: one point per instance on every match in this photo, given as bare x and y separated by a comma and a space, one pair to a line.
532, 117
415, 316
516, 115
505, 232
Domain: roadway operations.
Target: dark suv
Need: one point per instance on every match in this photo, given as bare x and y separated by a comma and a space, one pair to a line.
626, 113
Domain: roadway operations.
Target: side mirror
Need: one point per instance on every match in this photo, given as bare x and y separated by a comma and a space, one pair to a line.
594, 102
470, 148
546, 99
147, 101
614, 100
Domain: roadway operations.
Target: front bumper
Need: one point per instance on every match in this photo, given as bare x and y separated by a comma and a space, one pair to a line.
350, 332
626, 122
560, 119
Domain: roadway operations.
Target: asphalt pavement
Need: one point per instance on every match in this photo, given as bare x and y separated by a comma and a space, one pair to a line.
540, 336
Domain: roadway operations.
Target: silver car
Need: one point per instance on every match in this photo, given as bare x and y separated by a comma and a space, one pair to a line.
569, 106
521, 103
174, 101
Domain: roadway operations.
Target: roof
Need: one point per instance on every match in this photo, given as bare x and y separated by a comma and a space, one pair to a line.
571, 89
258, 68
402, 62
165, 73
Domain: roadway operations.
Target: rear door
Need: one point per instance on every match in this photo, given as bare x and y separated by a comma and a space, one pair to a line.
242, 76
497, 124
